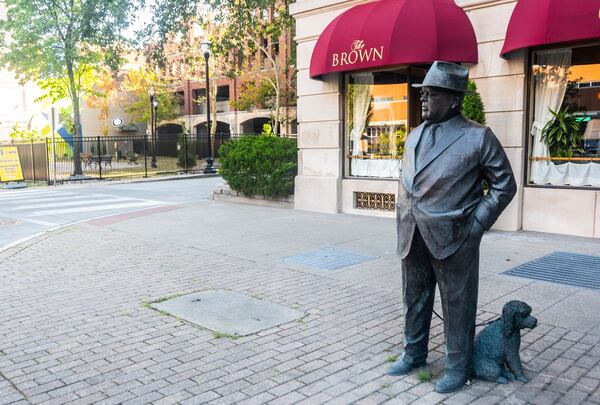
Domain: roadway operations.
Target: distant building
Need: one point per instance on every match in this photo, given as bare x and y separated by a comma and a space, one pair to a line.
231, 120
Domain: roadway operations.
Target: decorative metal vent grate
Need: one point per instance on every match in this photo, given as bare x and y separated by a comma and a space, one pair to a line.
374, 201
564, 268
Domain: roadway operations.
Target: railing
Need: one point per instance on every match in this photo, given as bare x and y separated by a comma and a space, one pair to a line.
104, 157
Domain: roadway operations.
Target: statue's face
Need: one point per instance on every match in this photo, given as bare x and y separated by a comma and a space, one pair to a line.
438, 105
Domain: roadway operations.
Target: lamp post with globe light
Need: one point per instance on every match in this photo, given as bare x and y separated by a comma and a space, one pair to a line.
209, 169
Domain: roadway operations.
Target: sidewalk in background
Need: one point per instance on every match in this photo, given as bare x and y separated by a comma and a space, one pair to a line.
75, 328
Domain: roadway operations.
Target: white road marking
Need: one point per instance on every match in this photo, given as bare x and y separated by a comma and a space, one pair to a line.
46, 199
71, 203
95, 208
31, 197
38, 222
26, 192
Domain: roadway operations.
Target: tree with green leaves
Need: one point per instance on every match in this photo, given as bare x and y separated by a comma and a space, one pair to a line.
473, 107
58, 42
135, 98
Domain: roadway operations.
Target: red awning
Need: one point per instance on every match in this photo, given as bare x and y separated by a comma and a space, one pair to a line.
394, 32
541, 22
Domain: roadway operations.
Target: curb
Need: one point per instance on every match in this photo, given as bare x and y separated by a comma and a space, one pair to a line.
129, 181
253, 201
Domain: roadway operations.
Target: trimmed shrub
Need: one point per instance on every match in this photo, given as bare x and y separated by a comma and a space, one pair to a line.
260, 165
472, 107
186, 156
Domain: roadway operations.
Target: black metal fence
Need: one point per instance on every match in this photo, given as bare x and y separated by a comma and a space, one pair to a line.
115, 157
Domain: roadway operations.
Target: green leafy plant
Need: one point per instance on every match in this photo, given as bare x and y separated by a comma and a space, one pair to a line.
562, 134
260, 165
473, 107
392, 358
400, 140
24, 135
267, 129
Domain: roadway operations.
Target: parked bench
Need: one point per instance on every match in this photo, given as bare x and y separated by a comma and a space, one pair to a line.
132, 158
98, 160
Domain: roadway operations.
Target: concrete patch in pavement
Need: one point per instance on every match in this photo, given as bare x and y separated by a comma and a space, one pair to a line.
228, 312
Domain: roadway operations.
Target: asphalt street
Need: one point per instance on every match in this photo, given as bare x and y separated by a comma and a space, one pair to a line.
25, 213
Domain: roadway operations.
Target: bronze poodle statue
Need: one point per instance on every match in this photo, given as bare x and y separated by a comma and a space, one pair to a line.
496, 352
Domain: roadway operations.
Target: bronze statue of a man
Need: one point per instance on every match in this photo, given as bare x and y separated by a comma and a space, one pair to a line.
442, 213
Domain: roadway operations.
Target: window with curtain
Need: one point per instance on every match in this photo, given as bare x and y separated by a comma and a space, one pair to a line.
565, 109
376, 122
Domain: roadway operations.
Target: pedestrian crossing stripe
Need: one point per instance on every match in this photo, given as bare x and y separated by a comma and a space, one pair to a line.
96, 208
70, 203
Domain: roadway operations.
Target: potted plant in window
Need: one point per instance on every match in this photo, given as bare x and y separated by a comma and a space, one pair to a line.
562, 134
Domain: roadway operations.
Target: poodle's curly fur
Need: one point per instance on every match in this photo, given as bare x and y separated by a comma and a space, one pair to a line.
496, 353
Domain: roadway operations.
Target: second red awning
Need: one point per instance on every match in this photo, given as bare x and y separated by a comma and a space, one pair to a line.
542, 22
394, 32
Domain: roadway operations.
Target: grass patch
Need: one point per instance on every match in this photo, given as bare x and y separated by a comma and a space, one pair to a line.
424, 375
392, 358
148, 304
166, 298
220, 335
385, 385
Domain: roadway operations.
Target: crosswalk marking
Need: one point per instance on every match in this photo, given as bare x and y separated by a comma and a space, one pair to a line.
4, 194
95, 208
32, 204
6, 203
30, 196
69, 204
38, 222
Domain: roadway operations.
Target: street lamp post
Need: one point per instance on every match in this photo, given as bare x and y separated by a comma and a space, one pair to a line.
153, 106
209, 169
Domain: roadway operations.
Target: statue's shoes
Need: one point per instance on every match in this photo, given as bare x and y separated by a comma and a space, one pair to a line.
401, 367
450, 383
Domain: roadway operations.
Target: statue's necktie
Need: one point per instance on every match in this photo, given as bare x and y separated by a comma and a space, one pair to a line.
426, 144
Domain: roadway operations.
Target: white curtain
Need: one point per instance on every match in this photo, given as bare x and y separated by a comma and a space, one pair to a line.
551, 74
376, 167
362, 100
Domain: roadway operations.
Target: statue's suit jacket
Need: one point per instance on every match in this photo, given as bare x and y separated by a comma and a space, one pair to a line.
445, 194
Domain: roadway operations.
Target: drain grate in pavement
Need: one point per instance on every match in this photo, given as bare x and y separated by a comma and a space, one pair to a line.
572, 269
228, 312
328, 259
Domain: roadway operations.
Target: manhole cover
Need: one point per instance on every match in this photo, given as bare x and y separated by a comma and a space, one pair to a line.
8, 221
228, 312
328, 259
564, 268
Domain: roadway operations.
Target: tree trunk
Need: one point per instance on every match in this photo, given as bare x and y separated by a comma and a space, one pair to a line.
276, 86
77, 171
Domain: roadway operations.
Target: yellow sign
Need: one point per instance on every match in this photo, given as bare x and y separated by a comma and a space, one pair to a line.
10, 165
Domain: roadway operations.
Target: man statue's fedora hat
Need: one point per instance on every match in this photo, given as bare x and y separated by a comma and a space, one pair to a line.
446, 75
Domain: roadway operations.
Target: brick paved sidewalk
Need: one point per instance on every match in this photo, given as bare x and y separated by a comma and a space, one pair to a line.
75, 328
